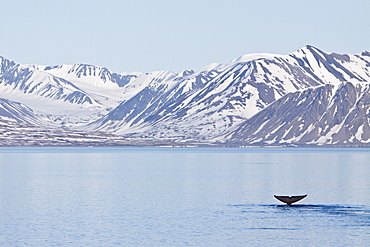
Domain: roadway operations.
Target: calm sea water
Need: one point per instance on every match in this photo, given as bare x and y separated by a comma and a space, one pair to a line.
183, 197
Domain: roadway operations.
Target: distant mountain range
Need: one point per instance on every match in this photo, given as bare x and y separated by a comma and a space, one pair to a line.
306, 98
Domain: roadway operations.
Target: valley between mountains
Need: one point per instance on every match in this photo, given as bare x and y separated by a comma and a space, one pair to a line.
308, 98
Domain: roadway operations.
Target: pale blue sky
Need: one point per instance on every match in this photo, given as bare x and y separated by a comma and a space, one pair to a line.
148, 35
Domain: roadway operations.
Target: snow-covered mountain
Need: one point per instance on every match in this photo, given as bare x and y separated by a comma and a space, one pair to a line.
217, 99
71, 95
325, 115
17, 112
16, 78
239, 103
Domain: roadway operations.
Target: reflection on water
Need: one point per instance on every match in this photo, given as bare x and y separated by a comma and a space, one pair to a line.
183, 197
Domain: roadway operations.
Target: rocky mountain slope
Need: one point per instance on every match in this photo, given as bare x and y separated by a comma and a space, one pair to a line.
325, 115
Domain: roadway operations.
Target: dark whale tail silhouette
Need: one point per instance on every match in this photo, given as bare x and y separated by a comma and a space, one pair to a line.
290, 199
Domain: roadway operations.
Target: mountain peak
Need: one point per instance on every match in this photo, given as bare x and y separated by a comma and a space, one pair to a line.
366, 53
254, 56
310, 48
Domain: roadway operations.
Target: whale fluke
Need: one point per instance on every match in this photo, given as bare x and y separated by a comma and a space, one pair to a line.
290, 199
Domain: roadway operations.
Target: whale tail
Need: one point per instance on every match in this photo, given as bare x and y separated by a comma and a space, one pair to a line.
290, 199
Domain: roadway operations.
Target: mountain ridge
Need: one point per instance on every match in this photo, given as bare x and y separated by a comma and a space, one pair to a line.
212, 106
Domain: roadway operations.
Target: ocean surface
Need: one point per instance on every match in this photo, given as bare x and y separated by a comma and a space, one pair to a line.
183, 197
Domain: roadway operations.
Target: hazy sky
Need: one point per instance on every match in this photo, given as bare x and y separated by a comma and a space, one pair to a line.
148, 35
